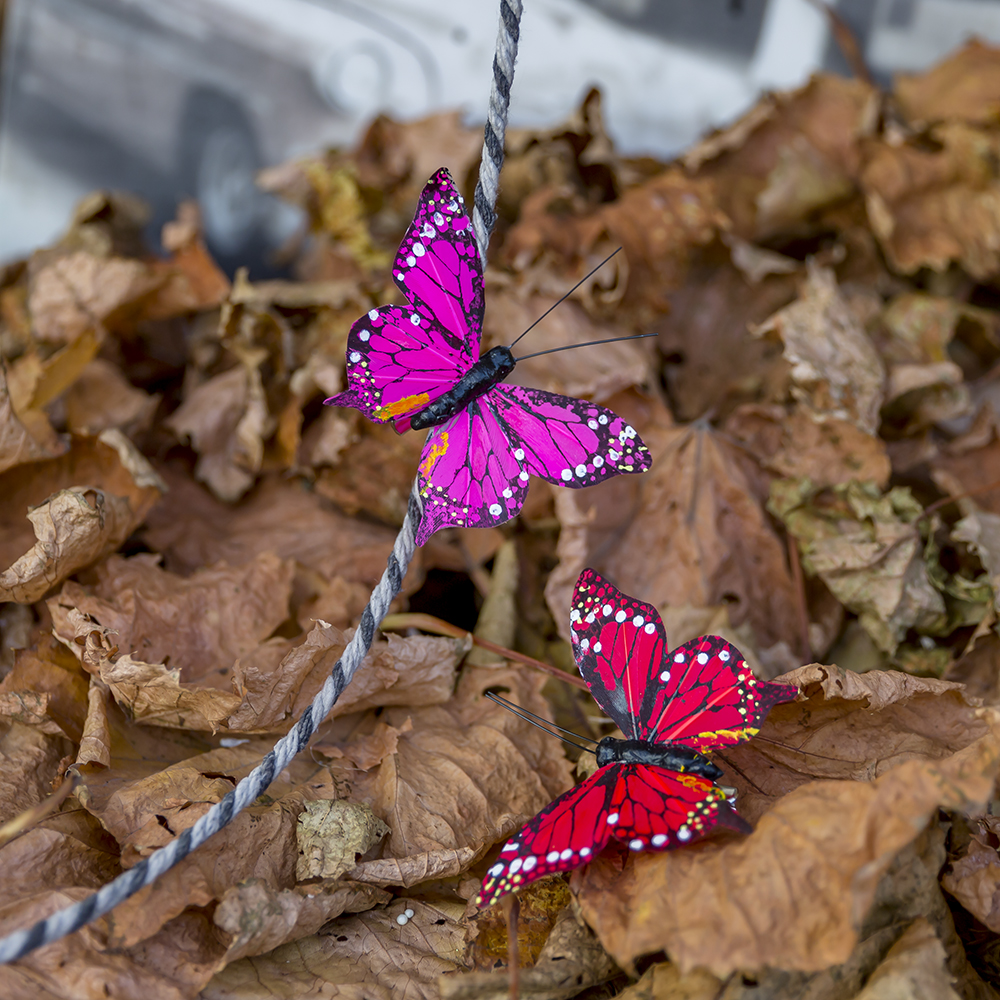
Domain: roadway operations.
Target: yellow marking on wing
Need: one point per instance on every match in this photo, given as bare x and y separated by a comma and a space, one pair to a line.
405, 405
437, 450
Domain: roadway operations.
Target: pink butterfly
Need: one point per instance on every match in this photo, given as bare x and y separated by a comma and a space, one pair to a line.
417, 366
655, 790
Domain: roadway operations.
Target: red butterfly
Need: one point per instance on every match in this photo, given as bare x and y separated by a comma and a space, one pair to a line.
655, 789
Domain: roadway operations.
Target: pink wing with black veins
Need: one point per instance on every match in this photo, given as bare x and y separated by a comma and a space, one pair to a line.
567, 441
646, 808
619, 644
437, 265
397, 363
401, 358
469, 475
707, 697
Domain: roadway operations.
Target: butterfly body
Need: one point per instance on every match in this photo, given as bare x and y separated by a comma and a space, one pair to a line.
655, 790
670, 756
493, 367
418, 366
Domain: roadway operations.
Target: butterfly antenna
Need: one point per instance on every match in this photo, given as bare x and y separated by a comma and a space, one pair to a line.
567, 295
524, 714
590, 343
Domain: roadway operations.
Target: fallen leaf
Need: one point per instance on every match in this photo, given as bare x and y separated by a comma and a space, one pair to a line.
866, 548
794, 893
934, 203
964, 86
331, 835
227, 420
914, 968
792, 444
695, 536
17, 442
81, 290
370, 955
790, 156
260, 918
95, 501
200, 625
102, 398
836, 371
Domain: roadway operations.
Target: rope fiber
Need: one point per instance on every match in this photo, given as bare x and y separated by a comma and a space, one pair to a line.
72, 918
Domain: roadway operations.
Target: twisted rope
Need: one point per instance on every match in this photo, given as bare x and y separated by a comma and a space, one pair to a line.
74, 917
484, 216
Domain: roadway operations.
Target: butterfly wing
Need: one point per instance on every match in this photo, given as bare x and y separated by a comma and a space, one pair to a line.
564, 835
398, 361
567, 441
706, 696
400, 358
647, 808
437, 265
619, 644
702, 695
468, 474
656, 809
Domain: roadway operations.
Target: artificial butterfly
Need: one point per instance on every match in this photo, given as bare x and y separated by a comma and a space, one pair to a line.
655, 790
417, 366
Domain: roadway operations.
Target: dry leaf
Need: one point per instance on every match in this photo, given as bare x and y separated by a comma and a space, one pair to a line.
696, 536
866, 548
913, 969
836, 371
795, 892
964, 86
331, 835
369, 956
102, 398
793, 444
97, 495
226, 419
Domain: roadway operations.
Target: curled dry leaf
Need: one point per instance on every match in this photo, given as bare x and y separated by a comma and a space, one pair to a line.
696, 535
974, 880
932, 204
794, 893
836, 371
331, 835
98, 493
226, 420
867, 549
17, 442
417, 868
212, 662
81, 290
850, 726
594, 372
193, 529
199, 625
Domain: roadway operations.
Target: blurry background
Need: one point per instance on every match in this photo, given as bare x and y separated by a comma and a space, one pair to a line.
175, 98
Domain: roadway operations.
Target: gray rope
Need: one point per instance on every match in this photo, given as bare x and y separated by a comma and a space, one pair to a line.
484, 216
64, 922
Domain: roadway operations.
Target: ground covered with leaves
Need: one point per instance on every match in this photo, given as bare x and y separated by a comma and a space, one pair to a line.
188, 537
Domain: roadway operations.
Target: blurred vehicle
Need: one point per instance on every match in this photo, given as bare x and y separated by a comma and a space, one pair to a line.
191, 97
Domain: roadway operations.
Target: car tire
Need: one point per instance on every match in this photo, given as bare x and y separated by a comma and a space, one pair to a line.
219, 160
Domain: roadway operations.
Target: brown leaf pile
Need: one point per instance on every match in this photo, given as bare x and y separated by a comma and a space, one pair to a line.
188, 538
